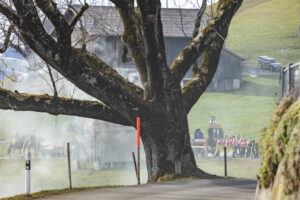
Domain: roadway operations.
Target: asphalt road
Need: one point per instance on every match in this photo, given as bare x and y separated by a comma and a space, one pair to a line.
218, 189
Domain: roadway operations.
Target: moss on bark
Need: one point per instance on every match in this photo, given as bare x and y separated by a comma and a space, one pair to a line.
279, 176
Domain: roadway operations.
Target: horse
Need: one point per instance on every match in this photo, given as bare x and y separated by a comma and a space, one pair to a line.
16, 144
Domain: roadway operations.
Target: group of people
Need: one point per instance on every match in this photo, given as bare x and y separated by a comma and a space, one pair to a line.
237, 147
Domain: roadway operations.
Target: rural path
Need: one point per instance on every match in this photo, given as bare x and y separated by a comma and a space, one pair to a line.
217, 189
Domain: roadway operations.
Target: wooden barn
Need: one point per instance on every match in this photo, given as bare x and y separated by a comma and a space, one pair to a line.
98, 144
104, 29
178, 26
113, 145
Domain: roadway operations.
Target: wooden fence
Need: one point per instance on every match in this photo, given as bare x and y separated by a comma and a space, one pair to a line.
289, 81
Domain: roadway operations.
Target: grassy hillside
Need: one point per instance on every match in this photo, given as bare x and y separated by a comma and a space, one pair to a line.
266, 27
244, 111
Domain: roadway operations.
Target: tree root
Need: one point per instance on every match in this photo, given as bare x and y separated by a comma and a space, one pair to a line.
187, 175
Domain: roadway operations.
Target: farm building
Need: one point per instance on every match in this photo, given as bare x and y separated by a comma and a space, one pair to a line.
104, 28
101, 145
178, 25
114, 144
228, 75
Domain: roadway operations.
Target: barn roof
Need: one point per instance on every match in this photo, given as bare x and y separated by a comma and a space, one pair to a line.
107, 127
105, 19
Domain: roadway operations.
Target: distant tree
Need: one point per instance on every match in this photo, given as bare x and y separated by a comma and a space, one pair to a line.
161, 103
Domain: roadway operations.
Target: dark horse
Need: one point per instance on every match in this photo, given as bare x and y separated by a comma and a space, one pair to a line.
22, 144
16, 144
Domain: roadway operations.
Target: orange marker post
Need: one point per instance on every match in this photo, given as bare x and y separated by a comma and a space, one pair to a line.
138, 129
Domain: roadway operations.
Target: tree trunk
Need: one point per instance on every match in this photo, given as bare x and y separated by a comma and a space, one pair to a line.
167, 147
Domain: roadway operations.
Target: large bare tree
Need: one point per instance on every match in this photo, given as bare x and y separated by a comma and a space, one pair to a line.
161, 103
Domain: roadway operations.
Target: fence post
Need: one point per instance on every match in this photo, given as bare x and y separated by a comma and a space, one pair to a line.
138, 149
134, 162
69, 165
225, 161
27, 173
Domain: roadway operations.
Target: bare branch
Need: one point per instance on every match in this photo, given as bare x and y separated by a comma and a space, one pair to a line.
78, 16
62, 28
52, 12
31, 29
218, 28
52, 80
181, 27
83, 40
59, 106
197, 26
199, 18
9, 13
19, 49
6, 41
200, 81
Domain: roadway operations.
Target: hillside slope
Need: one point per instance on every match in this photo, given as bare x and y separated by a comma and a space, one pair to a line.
266, 27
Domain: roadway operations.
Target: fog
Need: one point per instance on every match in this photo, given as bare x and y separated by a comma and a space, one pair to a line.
101, 152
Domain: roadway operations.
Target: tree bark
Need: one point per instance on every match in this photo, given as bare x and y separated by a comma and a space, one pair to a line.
167, 147
59, 106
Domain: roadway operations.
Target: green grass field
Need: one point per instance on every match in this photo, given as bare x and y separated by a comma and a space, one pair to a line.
50, 174
244, 111
266, 27
241, 168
